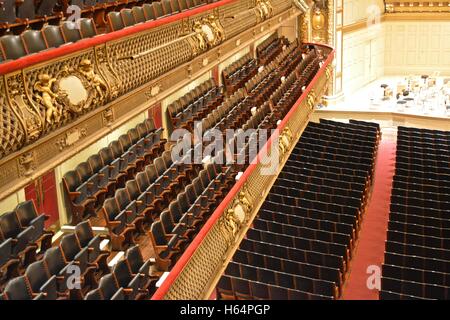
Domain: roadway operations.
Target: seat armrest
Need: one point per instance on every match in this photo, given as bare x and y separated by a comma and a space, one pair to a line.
119, 295
50, 289
145, 268
23, 239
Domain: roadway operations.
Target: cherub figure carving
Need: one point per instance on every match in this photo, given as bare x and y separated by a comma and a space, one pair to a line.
87, 69
47, 98
199, 35
218, 30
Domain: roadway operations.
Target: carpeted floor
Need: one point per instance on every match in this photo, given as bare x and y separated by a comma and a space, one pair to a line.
372, 236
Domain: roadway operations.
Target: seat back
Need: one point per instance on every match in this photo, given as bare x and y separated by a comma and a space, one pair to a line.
127, 17
26, 212
134, 135
116, 149
133, 189
108, 286
134, 257
106, 155
26, 10
71, 31
125, 141
175, 6
8, 12
37, 275
53, 36
122, 273
94, 295
87, 28
160, 166
84, 170
69, 246
166, 7
166, 222
46, 8
84, 233
115, 21
34, 41
96, 163
54, 260
18, 289
12, 46
122, 198
111, 208
9, 225
142, 181
151, 172
157, 7
148, 11
138, 14
71, 180
158, 233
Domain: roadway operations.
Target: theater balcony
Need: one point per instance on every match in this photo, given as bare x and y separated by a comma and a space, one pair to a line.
91, 116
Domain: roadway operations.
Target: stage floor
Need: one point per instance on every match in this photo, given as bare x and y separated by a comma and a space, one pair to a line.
369, 98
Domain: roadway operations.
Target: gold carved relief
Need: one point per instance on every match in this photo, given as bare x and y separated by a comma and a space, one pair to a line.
70, 137
26, 163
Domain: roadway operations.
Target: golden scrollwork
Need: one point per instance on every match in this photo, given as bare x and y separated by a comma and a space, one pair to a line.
236, 216
26, 163
284, 141
263, 10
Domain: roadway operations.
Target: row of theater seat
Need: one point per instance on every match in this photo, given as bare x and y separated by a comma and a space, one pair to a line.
49, 278
302, 238
92, 181
22, 233
194, 105
127, 17
170, 200
239, 72
51, 36
270, 48
417, 259
44, 36
17, 16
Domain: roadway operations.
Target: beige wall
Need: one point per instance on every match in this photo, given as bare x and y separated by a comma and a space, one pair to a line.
363, 58
417, 47
9, 203
357, 10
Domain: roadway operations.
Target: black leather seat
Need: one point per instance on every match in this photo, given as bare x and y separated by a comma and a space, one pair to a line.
88, 239
120, 232
28, 216
22, 236
12, 47
71, 32
81, 203
87, 28
115, 21
53, 36
148, 12
127, 17
138, 14
34, 41
19, 289
40, 280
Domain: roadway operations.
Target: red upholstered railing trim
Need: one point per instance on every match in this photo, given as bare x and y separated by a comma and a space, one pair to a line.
50, 54
181, 263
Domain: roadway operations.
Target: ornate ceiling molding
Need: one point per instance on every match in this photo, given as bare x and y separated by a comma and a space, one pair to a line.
401, 6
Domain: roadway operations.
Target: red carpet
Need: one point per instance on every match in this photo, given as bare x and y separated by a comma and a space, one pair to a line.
372, 236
